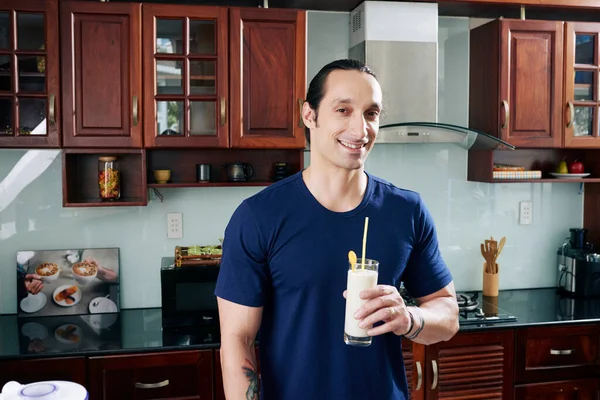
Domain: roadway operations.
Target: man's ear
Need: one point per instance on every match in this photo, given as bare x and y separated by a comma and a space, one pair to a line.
308, 115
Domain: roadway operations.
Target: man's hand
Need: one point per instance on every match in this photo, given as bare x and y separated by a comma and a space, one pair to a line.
33, 283
384, 304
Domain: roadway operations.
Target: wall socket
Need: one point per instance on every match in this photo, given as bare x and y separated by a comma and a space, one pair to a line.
525, 213
174, 226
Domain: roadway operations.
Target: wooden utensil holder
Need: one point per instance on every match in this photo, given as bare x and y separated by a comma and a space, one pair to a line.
490, 282
489, 306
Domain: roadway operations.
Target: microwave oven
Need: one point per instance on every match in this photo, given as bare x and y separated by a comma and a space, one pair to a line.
187, 293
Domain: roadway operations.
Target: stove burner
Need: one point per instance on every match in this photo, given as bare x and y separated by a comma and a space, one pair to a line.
467, 302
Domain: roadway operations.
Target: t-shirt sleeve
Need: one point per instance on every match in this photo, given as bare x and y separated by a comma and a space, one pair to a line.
426, 271
244, 272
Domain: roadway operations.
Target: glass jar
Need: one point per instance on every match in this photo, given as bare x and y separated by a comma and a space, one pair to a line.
109, 178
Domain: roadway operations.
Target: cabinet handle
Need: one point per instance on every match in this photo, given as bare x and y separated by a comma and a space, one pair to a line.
135, 110
572, 110
152, 385
223, 111
505, 106
51, 101
567, 352
300, 121
435, 374
419, 376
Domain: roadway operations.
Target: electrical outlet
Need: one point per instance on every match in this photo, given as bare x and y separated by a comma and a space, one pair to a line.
525, 213
174, 226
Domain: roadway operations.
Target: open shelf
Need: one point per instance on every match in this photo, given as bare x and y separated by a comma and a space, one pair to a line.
182, 163
80, 177
481, 164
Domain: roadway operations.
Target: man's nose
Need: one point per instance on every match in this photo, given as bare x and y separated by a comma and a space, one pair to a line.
358, 125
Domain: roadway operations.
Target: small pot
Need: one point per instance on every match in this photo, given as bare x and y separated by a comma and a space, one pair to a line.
239, 171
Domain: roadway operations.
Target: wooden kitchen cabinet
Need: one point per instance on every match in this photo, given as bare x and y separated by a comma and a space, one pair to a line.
547, 354
516, 81
29, 74
172, 375
186, 76
471, 365
268, 77
581, 389
581, 97
72, 369
101, 74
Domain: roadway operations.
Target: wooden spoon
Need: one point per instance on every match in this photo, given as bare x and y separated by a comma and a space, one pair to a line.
352, 258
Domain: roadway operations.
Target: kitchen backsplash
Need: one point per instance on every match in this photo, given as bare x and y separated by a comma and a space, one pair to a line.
465, 212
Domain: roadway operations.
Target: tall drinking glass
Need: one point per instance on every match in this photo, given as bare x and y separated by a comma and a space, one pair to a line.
359, 279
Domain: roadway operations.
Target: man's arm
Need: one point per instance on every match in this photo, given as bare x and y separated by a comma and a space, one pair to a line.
434, 320
239, 326
440, 316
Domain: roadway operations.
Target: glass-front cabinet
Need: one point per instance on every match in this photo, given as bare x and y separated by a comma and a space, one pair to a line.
582, 68
185, 76
29, 74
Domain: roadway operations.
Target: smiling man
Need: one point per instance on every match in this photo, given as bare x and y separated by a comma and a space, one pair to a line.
284, 264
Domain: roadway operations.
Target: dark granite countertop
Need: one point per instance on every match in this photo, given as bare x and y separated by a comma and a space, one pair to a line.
140, 330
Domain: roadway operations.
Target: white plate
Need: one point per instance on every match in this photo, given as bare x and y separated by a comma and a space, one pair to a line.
76, 332
33, 302
569, 176
103, 305
63, 303
33, 330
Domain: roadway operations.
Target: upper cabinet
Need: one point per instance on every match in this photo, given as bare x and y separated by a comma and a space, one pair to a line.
223, 77
101, 74
29, 74
516, 81
186, 76
581, 97
268, 77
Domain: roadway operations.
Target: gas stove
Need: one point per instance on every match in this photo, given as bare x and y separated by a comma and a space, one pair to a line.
475, 311
471, 309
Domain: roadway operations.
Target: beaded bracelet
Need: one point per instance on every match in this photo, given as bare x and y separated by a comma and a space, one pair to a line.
422, 321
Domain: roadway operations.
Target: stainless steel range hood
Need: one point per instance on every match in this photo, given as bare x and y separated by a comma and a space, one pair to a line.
398, 40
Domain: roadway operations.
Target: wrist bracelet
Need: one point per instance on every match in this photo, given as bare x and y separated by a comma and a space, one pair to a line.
422, 321
412, 322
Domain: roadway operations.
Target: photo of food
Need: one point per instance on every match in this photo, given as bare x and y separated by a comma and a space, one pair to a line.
67, 282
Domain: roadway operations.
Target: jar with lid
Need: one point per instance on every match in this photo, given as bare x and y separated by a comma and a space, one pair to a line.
109, 178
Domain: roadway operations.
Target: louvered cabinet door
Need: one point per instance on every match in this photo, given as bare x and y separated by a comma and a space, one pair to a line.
414, 364
472, 365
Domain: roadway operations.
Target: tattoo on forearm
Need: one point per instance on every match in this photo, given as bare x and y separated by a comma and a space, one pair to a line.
252, 375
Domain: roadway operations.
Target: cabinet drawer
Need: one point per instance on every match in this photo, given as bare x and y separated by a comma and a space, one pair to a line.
557, 353
169, 375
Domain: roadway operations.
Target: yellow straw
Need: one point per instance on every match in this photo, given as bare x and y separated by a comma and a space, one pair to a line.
364, 249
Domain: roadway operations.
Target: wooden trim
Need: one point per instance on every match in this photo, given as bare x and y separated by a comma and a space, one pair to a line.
300, 74
591, 212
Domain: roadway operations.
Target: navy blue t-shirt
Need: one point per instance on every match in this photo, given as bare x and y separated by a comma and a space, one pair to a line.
284, 251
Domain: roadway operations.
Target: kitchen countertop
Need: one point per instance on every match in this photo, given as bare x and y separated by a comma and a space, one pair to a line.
140, 330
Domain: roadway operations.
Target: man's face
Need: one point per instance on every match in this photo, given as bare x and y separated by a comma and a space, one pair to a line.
347, 119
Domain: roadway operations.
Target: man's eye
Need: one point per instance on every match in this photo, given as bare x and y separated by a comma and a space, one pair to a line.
343, 110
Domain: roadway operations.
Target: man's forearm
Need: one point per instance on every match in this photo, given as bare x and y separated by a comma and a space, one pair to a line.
434, 321
240, 371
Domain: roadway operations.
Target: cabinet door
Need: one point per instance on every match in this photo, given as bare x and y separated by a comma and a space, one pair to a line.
71, 369
185, 76
414, 364
170, 375
268, 77
582, 389
101, 74
531, 86
581, 85
475, 365
29, 74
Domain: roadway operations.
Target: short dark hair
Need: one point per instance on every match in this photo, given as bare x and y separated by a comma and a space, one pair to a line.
316, 89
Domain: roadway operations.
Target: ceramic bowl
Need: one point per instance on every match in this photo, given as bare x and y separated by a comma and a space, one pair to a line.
162, 175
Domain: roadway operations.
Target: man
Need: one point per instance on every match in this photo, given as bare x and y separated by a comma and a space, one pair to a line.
285, 263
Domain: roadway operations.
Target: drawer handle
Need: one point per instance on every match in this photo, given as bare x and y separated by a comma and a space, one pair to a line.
555, 352
419, 376
152, 385
135, 110
51, 105
434, 366
506, 111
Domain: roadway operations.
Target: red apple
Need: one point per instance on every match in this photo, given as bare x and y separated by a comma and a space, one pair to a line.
576, 167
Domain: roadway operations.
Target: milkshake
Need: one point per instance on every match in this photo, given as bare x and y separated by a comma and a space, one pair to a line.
358, 280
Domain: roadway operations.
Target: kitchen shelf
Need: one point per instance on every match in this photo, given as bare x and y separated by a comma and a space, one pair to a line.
208, 184
481, 164
80, 177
